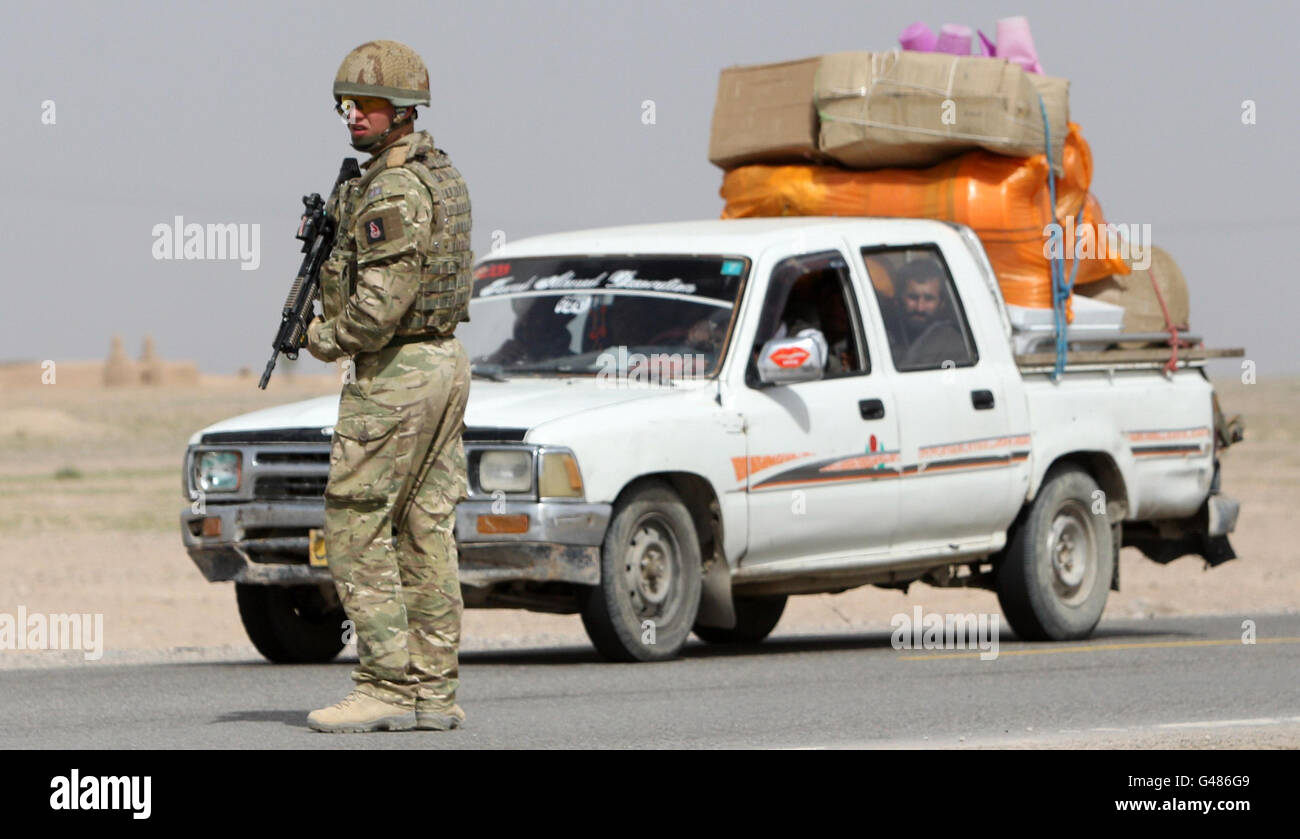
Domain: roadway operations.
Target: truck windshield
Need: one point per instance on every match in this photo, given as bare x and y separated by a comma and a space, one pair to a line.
600, 314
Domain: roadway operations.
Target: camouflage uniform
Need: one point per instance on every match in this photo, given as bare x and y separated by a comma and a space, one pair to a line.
392, 291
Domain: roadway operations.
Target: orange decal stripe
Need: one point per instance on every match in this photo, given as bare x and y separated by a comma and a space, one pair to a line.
1184, 434
866, 461
757, 463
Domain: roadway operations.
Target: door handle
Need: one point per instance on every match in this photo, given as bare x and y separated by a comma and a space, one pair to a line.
871, 409
982, 399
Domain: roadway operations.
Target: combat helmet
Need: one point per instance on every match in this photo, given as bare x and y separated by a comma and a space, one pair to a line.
386, 70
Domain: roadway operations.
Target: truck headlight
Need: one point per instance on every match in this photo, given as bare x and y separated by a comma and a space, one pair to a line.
217, 471
506, 470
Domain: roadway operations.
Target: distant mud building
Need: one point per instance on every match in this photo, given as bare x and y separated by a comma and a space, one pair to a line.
120, 370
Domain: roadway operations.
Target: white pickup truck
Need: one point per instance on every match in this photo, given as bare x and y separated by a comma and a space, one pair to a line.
674, 427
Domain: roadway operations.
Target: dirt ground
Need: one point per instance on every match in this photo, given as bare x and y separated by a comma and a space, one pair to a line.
90, 497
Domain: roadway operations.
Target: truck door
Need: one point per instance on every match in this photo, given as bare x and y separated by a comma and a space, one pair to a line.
818, 474
956, 440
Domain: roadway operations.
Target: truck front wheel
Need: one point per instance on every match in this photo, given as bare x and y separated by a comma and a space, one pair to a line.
1052, 582
291, 624
650, 582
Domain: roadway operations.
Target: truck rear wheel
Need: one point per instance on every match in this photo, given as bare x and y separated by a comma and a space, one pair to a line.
756, 617
291, 624
650, 582
1053, 581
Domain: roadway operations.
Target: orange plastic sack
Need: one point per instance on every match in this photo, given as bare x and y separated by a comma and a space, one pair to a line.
1003, 199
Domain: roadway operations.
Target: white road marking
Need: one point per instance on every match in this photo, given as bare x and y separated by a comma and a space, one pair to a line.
955, 740
1223, 723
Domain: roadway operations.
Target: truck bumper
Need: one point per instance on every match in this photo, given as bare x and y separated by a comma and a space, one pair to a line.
1204, 534
1221, 513
266, 542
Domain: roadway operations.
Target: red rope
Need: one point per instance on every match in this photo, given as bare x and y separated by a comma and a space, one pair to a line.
1174, 340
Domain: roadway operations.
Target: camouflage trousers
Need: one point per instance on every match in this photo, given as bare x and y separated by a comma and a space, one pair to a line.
400, 422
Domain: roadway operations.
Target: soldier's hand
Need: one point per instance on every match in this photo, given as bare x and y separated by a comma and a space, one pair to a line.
312, 333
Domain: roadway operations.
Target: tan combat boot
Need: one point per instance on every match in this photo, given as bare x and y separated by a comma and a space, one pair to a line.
432, 717
361, 712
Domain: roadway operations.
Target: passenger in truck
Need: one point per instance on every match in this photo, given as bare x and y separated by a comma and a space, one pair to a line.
926, 323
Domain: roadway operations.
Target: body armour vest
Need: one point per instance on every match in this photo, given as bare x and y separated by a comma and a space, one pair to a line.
445, 265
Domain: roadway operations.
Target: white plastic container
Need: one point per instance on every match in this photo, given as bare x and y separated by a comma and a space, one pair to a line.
1092, 318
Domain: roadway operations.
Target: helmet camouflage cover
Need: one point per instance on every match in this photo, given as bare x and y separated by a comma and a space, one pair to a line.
385, 70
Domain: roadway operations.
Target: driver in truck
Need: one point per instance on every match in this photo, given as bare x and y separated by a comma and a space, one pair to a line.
540, 333
817, 303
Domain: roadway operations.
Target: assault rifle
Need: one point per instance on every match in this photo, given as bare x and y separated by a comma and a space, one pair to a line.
316, 230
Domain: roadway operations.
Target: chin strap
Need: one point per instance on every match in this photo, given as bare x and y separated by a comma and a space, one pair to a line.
405, 115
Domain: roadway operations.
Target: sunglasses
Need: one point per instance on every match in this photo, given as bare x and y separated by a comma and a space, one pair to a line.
365, 104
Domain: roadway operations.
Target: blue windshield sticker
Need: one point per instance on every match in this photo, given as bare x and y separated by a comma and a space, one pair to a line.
732, 268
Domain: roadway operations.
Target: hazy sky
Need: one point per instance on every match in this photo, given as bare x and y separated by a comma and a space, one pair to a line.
222, 112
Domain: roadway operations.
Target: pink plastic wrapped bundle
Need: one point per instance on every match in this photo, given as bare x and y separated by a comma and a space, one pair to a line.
954, 39
1015, 42
918, 38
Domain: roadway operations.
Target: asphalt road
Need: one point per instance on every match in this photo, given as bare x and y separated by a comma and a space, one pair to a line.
1139, 682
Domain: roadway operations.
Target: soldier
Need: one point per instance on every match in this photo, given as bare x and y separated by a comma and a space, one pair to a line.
393, 290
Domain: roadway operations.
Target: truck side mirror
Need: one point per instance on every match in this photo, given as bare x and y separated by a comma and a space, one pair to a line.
785, 361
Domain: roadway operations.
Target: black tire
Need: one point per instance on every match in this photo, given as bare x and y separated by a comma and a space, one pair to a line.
1045, 600
649, 571
756, 617
291, 624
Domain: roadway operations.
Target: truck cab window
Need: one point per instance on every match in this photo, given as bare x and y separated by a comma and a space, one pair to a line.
813, 292
923, 317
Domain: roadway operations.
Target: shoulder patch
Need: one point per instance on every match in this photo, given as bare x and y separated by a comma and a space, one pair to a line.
383, 226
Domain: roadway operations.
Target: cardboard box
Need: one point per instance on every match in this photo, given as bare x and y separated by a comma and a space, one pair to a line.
764, 114
1056, 96
914, 109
